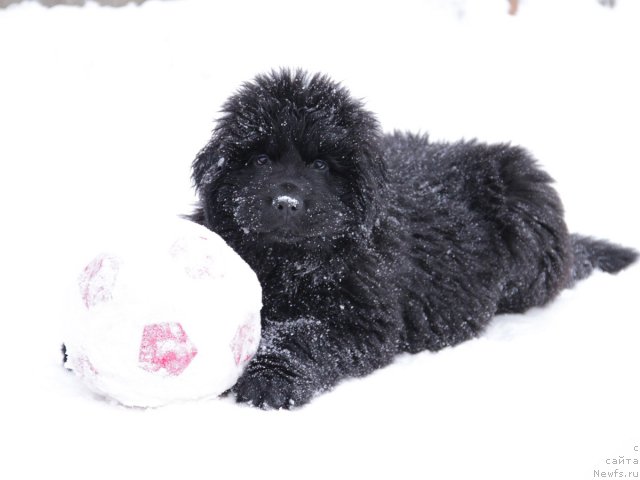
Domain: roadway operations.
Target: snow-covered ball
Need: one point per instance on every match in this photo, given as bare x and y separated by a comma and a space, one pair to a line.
173, 316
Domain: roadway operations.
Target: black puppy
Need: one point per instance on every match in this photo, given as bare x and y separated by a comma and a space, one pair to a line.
368, 245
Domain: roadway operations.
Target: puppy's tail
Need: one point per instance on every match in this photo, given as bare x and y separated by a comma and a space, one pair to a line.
589, 254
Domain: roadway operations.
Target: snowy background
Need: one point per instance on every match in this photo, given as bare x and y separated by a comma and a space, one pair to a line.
102, 111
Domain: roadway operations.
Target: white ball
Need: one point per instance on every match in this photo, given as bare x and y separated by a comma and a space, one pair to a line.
173, 316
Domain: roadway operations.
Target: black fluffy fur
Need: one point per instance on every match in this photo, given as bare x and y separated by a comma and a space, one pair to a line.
389, 244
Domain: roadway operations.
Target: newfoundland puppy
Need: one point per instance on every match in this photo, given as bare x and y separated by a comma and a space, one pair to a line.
367, 244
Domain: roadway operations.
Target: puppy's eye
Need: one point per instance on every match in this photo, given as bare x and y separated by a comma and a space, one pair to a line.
262, 160
320, 165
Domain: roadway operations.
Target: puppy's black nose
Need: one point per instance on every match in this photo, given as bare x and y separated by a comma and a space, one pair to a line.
289, 204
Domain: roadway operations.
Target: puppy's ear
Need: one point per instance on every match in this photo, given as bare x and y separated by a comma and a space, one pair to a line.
207, 164
205, 168
373, 192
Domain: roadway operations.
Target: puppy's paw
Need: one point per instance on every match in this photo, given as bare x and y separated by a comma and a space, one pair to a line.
271, 387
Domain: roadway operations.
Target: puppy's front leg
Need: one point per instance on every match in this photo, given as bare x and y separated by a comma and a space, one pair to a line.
300, 358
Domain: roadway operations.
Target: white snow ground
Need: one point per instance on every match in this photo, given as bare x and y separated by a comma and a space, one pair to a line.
101, 113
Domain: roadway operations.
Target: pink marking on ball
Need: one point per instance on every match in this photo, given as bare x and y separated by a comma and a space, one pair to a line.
196, 266
166, 346
97, 280
85, 368
244, 343
202, 270
178, 248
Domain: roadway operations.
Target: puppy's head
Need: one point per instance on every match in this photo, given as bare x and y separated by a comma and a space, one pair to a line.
294, 158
